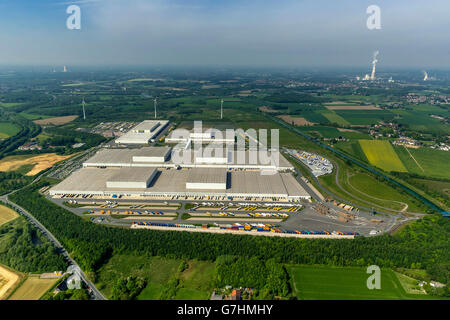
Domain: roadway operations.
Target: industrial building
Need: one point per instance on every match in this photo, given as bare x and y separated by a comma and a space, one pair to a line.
129, 178
143, 133
162, 172
165, 157
168, 183
207, 178
206, 136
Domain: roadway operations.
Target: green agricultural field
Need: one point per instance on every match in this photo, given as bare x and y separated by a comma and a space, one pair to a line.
381, 154
332, 132
353, 148
333, 117
365, 117
418, 120
323, 131
316, 117
425, 161
345, 283
428, 108
10, 104
8, 129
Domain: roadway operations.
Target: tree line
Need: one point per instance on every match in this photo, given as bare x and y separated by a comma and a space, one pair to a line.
420, 245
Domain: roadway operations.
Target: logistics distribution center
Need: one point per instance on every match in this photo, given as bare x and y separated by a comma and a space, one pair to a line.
157, 172
124, 172
143, 133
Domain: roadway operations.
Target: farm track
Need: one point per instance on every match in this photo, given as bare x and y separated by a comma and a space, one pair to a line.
412, 157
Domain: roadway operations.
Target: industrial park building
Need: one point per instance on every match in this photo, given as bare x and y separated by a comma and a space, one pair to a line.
143, 133
206, 136
182, 182
151, 172
165, 157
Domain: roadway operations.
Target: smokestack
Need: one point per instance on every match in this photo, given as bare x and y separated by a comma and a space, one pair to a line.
374, 65
221, 109
84, 112
425, 78
155, 106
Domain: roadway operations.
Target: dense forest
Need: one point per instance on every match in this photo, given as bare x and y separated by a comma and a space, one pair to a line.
12, 180
423, 244
24, 248
269, 278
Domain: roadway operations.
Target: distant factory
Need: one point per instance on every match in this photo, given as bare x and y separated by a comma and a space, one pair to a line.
371, 77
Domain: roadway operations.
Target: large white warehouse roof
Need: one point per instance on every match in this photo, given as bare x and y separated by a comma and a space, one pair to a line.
173, 182
143, 132
164, 157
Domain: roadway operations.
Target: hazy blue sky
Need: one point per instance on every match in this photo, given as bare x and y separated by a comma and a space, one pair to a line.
414, 33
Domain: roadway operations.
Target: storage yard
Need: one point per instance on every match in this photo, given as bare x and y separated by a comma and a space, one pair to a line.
249, 229
317, 164
112, 129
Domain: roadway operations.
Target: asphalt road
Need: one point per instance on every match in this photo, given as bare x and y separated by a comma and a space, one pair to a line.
97, 295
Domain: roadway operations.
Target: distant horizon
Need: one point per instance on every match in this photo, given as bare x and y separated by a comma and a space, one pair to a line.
238, 33
147, 67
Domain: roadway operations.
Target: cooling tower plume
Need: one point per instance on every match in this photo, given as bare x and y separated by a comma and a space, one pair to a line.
425, 76
374, 64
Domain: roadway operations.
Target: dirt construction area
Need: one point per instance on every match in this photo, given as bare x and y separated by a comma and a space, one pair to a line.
297, 121
57, 121
8, 281
33, 288
6, 215
39, 162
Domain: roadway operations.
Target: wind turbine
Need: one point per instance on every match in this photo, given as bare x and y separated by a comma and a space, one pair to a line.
221, 109
155, 102
84, 112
